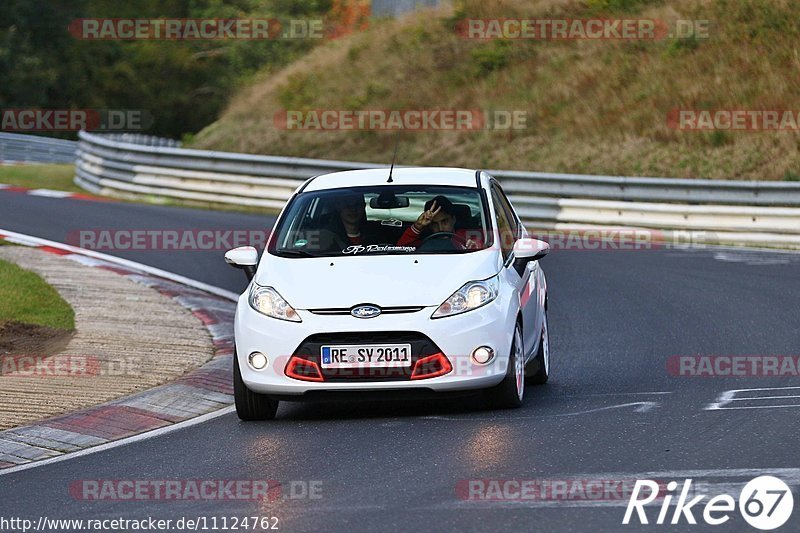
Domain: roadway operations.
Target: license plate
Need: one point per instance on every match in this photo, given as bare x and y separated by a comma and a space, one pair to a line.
366, 356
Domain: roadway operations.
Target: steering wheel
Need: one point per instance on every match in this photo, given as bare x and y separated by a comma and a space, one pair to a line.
460, 241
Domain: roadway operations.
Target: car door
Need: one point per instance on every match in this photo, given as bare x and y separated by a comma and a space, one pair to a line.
526, 281
506, 238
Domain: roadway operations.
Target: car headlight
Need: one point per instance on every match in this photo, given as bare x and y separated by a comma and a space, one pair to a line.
267, 301
471, 296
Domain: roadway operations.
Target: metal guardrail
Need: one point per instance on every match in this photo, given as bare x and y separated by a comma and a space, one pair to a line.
24, 148
140, 138
766, 211
623, 188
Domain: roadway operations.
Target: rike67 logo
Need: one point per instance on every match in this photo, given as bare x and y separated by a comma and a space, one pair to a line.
765, 503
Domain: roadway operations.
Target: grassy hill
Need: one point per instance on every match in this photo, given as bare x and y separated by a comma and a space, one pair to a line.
593, 106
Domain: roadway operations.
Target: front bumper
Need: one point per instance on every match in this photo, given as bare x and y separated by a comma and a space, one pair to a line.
455, 336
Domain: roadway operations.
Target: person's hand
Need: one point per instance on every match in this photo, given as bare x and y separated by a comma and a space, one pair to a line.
471, 245
426, 217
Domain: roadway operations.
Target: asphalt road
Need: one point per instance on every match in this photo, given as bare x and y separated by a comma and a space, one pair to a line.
611, 412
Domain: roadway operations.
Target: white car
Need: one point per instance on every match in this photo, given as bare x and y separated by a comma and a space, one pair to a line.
417, 281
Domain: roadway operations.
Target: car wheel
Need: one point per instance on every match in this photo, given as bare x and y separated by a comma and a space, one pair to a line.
541, 363
250, 405
509, 393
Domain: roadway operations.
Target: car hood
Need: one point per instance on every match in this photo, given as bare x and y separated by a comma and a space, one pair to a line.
383, 280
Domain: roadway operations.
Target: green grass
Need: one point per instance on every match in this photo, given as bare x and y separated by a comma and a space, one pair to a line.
58, 177
591, 106
25, 297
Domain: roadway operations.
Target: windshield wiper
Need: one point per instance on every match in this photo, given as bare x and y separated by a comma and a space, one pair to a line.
294, 253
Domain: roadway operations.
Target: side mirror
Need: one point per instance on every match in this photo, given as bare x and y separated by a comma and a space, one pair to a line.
244, 257
527, 250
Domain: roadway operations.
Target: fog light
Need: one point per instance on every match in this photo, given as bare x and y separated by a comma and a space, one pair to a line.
258, 360
482, 355
431, 366
303, 369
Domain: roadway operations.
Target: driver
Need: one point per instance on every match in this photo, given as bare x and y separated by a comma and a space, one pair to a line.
439, 215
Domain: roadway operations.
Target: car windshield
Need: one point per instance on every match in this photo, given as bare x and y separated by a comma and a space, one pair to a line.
385, 219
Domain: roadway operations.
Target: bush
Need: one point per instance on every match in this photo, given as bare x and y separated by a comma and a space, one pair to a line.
490, 57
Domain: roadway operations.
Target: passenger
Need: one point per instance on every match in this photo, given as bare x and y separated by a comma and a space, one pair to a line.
350, 223
439, 215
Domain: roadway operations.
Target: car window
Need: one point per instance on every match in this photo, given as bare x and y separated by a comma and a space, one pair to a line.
379, 220
508, 208
504, 226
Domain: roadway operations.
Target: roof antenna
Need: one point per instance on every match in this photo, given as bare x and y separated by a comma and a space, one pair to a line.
391, 168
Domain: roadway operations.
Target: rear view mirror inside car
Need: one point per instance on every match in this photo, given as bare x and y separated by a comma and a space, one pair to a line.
388, 201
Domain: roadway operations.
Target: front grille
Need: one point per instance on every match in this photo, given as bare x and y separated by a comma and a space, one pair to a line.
421, 346
384, 310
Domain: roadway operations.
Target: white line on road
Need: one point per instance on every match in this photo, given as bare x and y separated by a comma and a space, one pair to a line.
643, 408
746, 399
121, 442
50, 193
729, 396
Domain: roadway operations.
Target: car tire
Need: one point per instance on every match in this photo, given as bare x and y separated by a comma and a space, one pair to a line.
541, 363
509, 393
250, 405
